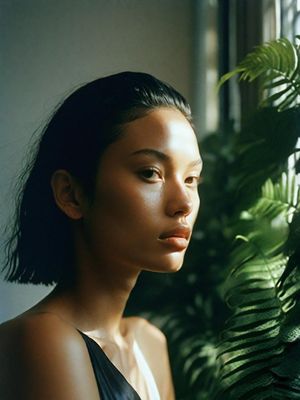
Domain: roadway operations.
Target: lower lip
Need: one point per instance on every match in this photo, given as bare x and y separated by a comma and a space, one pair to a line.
175, 243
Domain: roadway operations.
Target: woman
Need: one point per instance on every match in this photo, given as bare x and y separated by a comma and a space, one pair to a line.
112, 191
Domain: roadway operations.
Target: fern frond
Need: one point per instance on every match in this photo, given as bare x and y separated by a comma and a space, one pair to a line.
276, 63
253, 345
277, 198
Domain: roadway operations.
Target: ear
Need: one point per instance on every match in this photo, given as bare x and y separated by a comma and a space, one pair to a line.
67, 194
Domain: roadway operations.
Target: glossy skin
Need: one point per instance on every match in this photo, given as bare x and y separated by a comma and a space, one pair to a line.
145, 204
146, 186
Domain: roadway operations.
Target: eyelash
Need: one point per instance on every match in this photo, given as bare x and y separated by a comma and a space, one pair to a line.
196, 180
152, 171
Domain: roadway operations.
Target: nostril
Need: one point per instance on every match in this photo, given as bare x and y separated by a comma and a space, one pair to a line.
183, 208
187, 210
179, 201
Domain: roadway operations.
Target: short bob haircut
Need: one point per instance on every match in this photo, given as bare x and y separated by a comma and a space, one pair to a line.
39, 248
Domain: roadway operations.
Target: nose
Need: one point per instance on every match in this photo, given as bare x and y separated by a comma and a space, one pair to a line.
179, 201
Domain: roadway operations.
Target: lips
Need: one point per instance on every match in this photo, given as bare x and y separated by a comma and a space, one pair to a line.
180, 232
177, 238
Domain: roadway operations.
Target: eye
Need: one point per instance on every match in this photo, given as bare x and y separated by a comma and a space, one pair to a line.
193, 180
150, 174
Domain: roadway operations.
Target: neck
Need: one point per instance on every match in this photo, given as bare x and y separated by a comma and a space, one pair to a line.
97, 304
94, 306
95, 300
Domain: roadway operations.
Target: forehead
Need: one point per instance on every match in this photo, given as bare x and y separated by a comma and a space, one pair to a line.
163, 129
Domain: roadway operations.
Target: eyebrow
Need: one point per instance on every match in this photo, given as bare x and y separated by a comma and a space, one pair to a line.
162, 156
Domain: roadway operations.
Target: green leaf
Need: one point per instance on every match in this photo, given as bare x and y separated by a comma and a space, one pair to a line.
276, 63
255, 337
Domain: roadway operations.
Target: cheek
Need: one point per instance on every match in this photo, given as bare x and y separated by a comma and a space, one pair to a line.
129, 203
196, 207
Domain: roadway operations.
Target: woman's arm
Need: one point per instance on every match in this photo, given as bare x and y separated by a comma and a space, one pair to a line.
43, 358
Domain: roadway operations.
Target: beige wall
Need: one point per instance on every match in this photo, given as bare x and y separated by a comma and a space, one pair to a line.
47, 47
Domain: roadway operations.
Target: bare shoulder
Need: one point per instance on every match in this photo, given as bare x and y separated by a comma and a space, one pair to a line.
32, 329
37, 333
44, 358
153, 344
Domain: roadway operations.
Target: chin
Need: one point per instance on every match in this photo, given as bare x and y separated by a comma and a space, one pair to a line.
171, 264
173, 269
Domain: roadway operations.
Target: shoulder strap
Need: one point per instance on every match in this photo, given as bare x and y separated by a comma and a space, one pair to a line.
112, 385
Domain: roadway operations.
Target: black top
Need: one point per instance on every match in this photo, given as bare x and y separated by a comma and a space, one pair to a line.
112, 385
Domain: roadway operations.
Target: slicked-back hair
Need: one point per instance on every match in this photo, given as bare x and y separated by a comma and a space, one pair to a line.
39, 248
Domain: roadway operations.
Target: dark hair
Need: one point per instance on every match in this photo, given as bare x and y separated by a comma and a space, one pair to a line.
39, 249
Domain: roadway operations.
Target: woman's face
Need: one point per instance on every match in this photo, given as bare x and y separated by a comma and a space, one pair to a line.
146, 199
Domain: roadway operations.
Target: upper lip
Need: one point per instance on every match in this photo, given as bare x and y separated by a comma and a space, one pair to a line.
182, 231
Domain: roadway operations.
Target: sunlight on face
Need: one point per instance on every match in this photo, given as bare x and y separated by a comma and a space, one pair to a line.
146, 199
